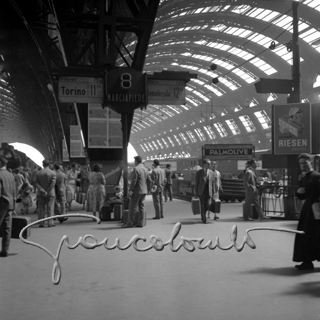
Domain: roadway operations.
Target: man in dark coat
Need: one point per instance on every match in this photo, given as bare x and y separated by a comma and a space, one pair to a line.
204, 187
7, 196
168, 185
158, 178
307, 246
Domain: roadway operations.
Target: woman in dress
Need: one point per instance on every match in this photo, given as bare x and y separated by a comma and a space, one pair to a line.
72, 176
96, 191
84, 181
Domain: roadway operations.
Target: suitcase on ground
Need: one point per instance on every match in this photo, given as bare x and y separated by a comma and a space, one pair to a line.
105, 213
195, 205
81, 197
117, 210
18, 223
215, 206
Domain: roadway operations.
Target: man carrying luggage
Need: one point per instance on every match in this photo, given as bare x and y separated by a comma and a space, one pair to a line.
204, 187
7, 196
217, 187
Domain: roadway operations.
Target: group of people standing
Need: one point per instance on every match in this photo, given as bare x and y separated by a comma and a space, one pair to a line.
158, 183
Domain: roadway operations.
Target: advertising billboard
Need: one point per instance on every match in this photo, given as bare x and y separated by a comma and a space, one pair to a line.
292, 128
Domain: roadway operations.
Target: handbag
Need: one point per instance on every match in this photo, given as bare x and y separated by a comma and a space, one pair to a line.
316, 210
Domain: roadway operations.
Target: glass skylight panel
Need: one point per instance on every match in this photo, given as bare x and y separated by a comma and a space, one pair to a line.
160, 144
310, 36
190, 99
200, 134
191, 136
244, 76
151, 146
183, 138
210, 132
233, 127
214, 90
146, 146
223, 64
170, 140
155, 145
248, 124
143, 149
229, 84
177, 139
263, 119
165, 142
222, 131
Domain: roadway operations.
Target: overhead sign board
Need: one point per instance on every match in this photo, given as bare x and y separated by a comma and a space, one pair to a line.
126, 90
166, 92
292, 128
228, 151
80, 89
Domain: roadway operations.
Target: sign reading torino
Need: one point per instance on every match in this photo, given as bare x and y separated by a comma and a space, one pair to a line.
80, 89
228, 151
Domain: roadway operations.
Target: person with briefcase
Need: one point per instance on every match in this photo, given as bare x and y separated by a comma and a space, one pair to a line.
204, 187
217, 188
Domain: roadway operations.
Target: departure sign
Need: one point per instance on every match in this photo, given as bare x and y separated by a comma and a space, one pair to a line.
166, 92
80, 89
228, 151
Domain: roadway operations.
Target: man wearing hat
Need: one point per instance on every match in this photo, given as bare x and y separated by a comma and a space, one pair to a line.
139, 187
158, 177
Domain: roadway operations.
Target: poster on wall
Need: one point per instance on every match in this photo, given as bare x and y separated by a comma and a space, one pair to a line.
76, 145
292, 128
65, 153
104, 127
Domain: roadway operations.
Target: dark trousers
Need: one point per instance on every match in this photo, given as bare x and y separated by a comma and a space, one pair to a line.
5, 224
252, 197
46, 208
136, 210
168, 189
204, 201
158, 203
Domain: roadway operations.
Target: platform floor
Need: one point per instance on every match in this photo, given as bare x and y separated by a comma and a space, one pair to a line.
97, 284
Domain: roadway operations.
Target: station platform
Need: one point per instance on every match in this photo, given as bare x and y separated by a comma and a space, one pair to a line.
96, 284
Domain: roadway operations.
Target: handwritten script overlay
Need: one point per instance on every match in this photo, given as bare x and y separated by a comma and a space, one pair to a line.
188, 244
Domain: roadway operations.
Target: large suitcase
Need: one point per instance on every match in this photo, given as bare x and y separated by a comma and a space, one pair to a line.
117, 210
81, 197
215, 206
196, 206
18, 223
105, 213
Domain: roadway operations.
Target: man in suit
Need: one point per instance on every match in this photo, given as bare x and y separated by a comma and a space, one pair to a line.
204, 187
168, 185
7, 197
45, 181
251, 186
158, 178
217, 186
139, 187
60, 191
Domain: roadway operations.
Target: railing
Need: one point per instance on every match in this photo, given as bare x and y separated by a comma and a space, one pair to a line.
280, 201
